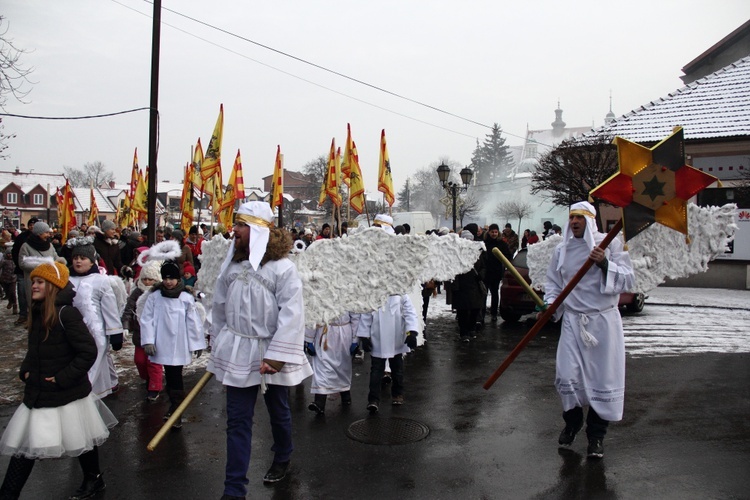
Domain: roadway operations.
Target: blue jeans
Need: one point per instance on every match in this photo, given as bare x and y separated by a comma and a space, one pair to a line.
240, 411
377, 368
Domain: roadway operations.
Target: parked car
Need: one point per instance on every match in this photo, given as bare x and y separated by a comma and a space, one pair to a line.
516, 302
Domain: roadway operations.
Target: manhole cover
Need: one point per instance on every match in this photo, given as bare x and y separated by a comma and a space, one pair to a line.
393, 430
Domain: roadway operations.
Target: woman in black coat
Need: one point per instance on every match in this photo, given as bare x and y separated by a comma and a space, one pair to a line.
469, 295
59, 415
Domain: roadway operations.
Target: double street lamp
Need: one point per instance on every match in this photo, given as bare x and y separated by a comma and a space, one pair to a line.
444, 172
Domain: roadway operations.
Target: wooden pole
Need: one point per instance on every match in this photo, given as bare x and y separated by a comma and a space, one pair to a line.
547, 314
179, 411
521, 281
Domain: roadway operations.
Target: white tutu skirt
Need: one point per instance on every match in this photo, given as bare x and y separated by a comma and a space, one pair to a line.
66, 431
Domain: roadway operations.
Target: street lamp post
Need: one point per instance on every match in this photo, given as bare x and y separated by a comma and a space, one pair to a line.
444, 172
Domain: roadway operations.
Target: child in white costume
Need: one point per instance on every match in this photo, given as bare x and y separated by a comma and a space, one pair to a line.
171, 330
331, 348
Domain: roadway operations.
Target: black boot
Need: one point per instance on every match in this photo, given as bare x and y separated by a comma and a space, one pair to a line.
175, 399
91, 485
18, 472
319, 405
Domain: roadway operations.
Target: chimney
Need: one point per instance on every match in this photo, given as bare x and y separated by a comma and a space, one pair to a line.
18, 170
111, 184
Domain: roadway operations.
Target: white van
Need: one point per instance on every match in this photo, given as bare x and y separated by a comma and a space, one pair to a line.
419, 222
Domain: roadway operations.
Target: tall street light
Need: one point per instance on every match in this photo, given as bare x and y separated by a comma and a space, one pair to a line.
444, 173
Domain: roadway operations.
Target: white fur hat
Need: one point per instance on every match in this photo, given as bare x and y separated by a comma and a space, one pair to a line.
386, 222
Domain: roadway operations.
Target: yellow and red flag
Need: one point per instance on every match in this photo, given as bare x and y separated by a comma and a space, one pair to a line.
93, 210
212, 161
140, 200
346, 164
333, 175
134, 176
59, 200
356, 182
385, 180
68, 218
197, 166
186, 203
277, 186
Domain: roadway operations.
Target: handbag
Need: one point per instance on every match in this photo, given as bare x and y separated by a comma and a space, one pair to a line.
482, 286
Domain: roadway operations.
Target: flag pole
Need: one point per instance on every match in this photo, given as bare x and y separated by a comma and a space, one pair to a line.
547, 314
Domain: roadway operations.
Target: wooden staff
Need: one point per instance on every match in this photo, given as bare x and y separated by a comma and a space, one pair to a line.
179, 411
547, 314
521, 281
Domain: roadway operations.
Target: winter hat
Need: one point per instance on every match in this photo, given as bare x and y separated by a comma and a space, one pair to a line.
188, 268
93, 230
386, 222
493, 226
443, 231
53, 272
107, 225
73, 233
178, 235
308, 232
150, 271
472, 228
170, 270
466, 234
83, 247
193, 230
40, 228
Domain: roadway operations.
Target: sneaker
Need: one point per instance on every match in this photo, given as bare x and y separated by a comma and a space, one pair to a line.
91, 486
595, 449
276, 473
20, 321
397, 400
313, 407
372, 407
177, 423
152, 396
568, 435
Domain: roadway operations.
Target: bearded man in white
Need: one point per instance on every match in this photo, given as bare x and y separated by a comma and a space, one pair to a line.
258, 331
590, 366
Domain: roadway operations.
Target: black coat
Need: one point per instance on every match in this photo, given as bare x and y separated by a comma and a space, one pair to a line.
494, 267
466, 290
109, 251
130, 319
67, 354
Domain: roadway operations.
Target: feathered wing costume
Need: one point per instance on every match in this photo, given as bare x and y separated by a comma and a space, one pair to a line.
357, 273
659, 252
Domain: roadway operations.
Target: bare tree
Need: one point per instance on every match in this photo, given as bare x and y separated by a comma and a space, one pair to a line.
13, 78
470, 207
509, 210
566, 174
94, 172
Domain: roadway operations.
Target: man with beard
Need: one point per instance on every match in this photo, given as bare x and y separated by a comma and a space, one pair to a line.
257, 337
37, 245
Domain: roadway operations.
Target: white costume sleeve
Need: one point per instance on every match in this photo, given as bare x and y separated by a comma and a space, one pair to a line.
354, 319
553, 285
110, 311
148, 321
365, 325
411, 319
193, 323
620, 276
218, 307
286, 344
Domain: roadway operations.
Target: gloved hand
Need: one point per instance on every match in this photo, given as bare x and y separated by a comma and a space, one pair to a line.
116, 341
125, 333
127, 272
354, 348
366, 344
150, 349
411, 340
198, 353
310, 348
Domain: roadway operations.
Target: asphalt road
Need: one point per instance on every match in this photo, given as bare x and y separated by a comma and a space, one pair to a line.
685, 434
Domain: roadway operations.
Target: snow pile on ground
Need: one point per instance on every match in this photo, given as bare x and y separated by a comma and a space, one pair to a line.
659, 252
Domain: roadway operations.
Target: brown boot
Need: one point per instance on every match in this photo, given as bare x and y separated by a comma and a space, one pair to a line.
15, 309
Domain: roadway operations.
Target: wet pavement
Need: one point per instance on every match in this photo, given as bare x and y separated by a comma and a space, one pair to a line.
685, 433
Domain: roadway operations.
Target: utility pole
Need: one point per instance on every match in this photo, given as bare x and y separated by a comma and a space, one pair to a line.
153, 128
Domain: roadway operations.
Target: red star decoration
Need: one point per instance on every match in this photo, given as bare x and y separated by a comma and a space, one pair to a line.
653, 185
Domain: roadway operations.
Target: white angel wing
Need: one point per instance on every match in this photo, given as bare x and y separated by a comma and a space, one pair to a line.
357, 274
213, 253
659, 252
121, 294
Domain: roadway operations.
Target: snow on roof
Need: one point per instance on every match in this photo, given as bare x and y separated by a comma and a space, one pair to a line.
717, 105
29, 180
83, 200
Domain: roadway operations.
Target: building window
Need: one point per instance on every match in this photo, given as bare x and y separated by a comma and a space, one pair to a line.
11, 198
38, 199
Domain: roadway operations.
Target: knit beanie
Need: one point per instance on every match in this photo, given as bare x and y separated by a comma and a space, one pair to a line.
178, 235
188, 268
150, 271
83, 247
40, 228
55, 273
107, 225
170, 270
494, 226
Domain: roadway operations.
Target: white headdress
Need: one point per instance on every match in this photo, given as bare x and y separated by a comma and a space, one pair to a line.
166, 250
386, 222
259, 217
589, 212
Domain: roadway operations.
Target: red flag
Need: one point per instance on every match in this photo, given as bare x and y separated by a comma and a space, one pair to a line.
385, 181
277, 187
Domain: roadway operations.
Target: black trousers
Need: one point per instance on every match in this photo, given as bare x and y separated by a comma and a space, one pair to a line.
596, 426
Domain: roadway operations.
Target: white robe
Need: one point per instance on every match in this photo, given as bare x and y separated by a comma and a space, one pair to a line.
332, 363
591, 375
97, 302
387, 326
174, 326
258, 315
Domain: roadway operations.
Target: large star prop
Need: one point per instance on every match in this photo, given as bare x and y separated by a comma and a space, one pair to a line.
653, 185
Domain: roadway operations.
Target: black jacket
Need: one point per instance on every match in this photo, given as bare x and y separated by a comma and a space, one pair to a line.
109, 251
130, 319
494, 266
67, 354
466, 290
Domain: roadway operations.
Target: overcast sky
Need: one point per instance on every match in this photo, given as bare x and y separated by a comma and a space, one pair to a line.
485, 61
